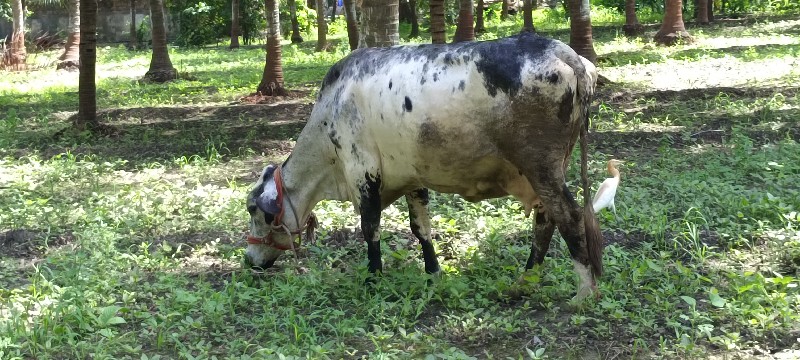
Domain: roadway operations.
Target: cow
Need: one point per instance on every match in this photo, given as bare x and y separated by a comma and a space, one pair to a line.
478, 119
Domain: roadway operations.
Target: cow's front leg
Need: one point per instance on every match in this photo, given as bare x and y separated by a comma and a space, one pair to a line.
543, 233
370, 209
421, 227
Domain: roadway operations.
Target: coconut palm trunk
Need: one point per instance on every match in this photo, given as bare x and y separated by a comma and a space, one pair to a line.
465, 27
296, 37
322, 27
18, 55
272, 79
134, 41
702, 12
161, 69
352, 23
235, 24
70, 58
504, 10
380, 23
438, 35
632, 26
480, 27
672, 29
527, 16
412, 4
580, 35
87, 88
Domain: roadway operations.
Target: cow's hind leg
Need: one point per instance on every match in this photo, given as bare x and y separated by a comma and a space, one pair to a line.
564, 211
421, 227
543, 233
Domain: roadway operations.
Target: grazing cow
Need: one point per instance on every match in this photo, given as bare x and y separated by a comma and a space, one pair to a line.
479, 119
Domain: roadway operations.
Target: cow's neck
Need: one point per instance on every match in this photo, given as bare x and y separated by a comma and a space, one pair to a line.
308, 178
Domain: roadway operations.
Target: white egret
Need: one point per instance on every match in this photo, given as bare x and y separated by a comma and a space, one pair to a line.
604, 198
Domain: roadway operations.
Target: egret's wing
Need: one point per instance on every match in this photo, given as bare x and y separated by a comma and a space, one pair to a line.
605, 194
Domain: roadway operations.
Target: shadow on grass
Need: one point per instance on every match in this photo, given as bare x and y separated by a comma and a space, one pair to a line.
747, 53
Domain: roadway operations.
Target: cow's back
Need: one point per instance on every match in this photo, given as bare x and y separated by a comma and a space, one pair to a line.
447, 116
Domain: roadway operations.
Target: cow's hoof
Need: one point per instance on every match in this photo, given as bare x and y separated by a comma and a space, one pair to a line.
579, 300
434, 277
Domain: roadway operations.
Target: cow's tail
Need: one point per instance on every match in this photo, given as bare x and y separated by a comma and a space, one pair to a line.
594, 239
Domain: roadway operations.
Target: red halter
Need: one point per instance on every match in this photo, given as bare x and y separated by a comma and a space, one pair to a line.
277, 223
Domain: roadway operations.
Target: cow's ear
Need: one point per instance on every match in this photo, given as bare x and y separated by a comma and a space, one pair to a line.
268, 172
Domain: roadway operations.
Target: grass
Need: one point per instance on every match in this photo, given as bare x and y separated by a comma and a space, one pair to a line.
131, 247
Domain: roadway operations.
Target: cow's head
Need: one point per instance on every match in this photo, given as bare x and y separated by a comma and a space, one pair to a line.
267, 239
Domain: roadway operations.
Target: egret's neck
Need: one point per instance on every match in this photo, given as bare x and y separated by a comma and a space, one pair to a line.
613, 170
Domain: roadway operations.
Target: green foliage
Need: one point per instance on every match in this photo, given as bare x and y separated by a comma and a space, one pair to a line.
205, 22
306, 18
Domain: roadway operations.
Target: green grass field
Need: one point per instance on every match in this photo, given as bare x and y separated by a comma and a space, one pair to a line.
130, 246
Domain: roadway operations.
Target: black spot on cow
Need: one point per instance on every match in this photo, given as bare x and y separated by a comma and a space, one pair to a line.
354, 150
435, 77
553, 78
501, 61
324, 123
425, 68
430, 135
333, 74
462, 85
334, 138
422, 195
565, 108
390, 84
448, 59
422, 80
407, 104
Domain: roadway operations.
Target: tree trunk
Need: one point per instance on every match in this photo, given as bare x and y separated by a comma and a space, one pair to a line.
333, 11
702, 12
412, 4
504, 10
87, 90
465, 28
580, 34
161, 69
134, 42
527, 16
296, 37
480, 27
352, 23
380, 22
632, 26
322, 27
438, 35
18, 54
672, 30
710, 10
272, 80
70, 58
234, 24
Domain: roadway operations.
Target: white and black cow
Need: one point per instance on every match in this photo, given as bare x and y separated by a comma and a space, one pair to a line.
480, 119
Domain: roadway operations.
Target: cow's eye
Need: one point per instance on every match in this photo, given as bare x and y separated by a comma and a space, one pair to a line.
269, 218
251, 209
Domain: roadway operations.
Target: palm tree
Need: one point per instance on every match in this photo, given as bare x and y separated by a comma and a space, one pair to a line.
438, 35
322, 26
161, 69
70, 58
527, 16
134, 43
234, 24
580, 35
504, 10
272, 80
380, 22
632, 26
465, 29
480, 27
352, 23
412, 4
296, 37
702, 11
87, 89
672, 29
18, 54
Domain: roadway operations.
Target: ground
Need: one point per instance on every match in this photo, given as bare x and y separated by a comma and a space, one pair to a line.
131, 245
